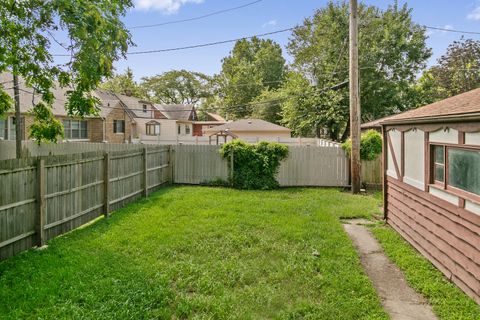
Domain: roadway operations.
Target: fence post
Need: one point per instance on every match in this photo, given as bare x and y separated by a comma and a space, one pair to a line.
171, 161
40, 223
106, 185
231, 168
145, 172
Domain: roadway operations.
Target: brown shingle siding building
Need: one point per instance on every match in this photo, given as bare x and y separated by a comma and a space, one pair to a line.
432, 184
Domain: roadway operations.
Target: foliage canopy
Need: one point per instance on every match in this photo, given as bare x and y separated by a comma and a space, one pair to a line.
370, 145
90, 33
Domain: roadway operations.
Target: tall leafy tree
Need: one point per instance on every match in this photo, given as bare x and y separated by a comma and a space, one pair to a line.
177, 87
90, 32
392, 52
308, 110
268, 106
253, 66
123, 84
457, 71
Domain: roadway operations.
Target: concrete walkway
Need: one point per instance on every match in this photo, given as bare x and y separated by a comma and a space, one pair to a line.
399, 300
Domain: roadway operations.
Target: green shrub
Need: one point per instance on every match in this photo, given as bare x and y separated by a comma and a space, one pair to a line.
255, 166
370, 145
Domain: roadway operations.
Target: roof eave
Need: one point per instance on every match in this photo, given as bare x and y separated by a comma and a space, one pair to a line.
437, 119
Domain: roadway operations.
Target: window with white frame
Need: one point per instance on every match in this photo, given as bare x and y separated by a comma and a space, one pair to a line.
118, 126
153, 129
187, 129
179, 129
3, 129
75, 129
456, 169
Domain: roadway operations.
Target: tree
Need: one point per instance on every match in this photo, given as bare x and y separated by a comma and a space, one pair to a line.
456, 72
268, 106
177, 87
93, 37
253, 66
392, 52
123, 84
308, 110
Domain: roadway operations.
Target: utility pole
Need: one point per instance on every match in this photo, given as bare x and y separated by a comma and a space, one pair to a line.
354, 98
18, 119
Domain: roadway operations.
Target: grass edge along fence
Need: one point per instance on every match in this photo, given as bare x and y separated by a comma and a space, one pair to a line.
44, 197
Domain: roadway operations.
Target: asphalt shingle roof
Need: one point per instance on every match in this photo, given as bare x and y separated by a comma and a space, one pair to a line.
249, 125
464, 104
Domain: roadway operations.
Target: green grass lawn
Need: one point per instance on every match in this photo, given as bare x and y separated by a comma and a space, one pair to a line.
447, 300
203, 253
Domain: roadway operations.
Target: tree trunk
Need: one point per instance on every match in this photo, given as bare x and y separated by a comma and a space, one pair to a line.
346, 132
18, 119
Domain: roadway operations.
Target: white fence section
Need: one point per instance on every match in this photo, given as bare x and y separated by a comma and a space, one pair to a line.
198, 164
326, 166
165, 140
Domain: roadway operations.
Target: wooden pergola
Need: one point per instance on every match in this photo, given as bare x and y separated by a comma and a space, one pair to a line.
222, 133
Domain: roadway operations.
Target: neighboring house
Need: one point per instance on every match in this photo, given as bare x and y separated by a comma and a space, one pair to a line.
121, 119
183, 115
250, 129
87, 129
140, 117
213, 120
432, 184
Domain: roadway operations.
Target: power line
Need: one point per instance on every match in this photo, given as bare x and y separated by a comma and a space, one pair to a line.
210, 43
195, 18
452, 30
197, 45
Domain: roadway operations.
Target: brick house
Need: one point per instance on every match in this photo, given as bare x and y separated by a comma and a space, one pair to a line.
121, 119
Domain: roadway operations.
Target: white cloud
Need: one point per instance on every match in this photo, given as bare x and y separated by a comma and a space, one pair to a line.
167, 6
270, 23
475, 14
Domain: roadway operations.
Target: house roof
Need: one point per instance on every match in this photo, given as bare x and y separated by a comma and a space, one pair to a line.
249, 125
459, 107
375, 124
28, 99
177, 111
109, 100
215, 117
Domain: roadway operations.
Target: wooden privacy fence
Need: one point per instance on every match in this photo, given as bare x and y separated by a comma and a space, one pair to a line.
325, 166
371, 173
32, 149
198, 164
41, 198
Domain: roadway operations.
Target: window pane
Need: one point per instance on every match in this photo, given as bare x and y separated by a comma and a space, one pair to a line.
13, 133
440, 173
75, 129
157, 129
83, 130
464, 170
439, 154
3, 127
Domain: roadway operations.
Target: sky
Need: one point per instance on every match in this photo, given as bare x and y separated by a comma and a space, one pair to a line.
262, 17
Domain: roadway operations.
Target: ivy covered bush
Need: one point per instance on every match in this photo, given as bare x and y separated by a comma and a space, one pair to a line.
370, 145
255, 166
